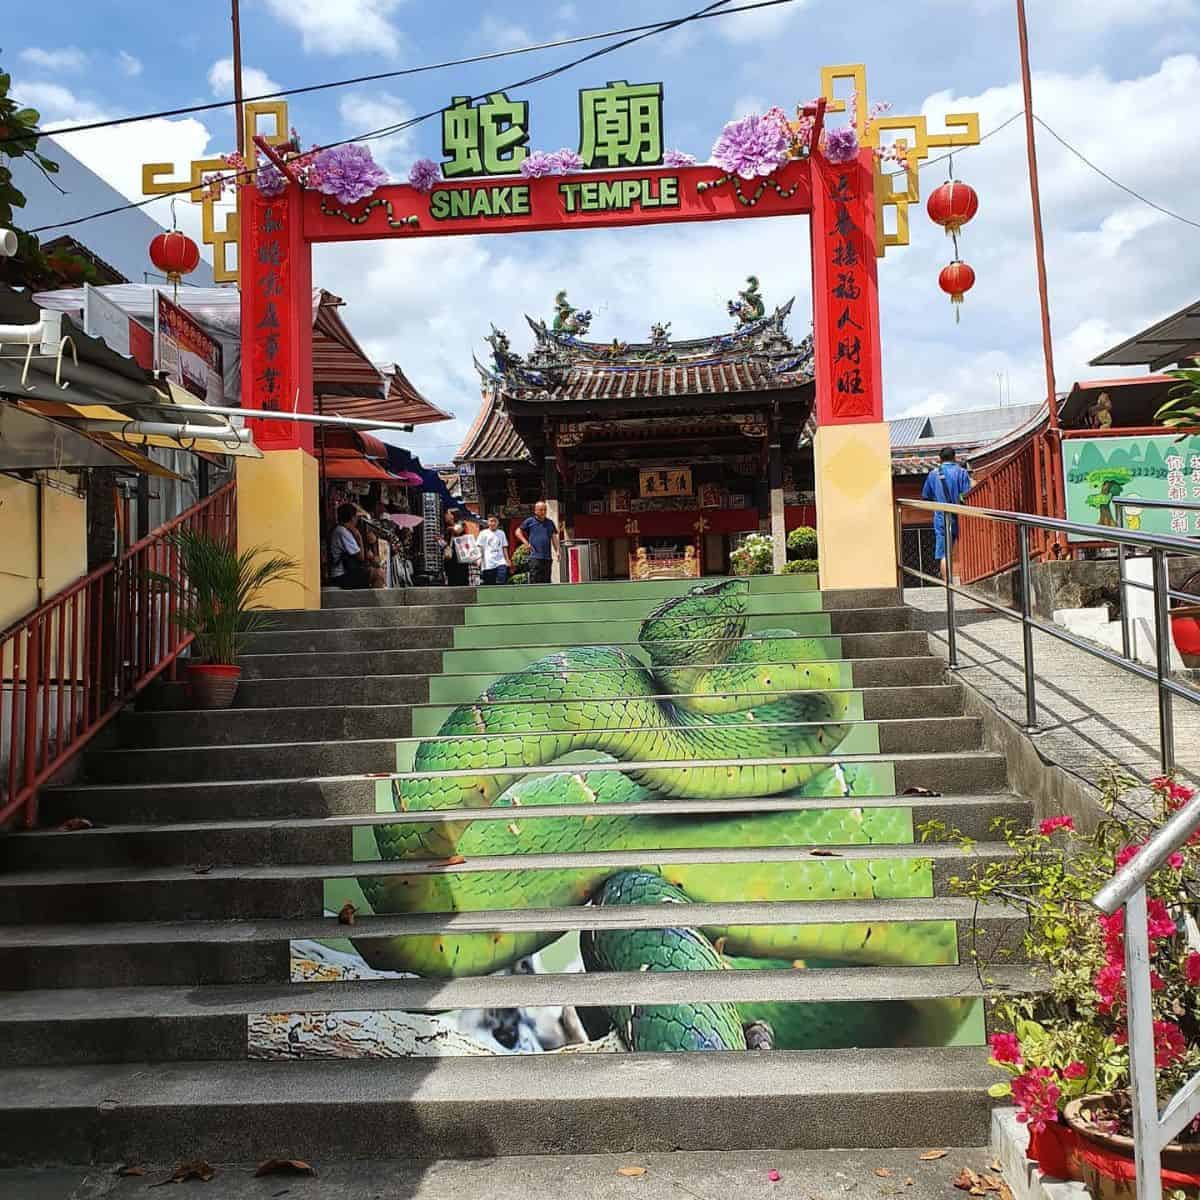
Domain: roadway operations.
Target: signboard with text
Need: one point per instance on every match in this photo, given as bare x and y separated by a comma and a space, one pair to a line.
187, 354
1100, 470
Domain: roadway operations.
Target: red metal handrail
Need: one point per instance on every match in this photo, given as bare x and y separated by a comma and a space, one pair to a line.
73, 663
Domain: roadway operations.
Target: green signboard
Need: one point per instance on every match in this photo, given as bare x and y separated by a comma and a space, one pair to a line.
1099, 470
619, 126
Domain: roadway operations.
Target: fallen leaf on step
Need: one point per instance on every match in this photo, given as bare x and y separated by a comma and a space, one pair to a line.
284, 1166
631, 1172
909, 1181
346, 914
73, 823
920, 791
131, 1169
202, 868
995, 1166
966, 1180
930, 1155
884, 1173
993, 1183
821, 852
1005, 1192
197, 1169
454, 860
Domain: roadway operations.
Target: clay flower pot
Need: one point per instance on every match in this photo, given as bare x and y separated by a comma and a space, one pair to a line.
1185, 633
213, 685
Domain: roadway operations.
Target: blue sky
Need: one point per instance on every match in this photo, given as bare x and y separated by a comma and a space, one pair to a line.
1120, 79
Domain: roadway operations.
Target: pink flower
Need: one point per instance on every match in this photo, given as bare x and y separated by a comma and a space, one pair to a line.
752, 147
1191, 968
1075, 1070
424, 174
841, 145
1050, 824
1169, 1043
1175, 862
1037, 1096
1161, 924
1110, 986
1006, 1048
678, 158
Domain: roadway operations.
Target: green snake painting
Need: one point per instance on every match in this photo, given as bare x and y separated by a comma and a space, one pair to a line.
740, 713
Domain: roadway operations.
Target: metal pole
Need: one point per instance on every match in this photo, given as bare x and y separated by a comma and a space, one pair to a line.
1126, 648
951, 634
1147, 1145
900, 551
235, 18
1162, 655
1035, 196
1031, 719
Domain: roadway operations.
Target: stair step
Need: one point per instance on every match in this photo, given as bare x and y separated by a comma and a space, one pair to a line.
336, 598
192, 953
265, 890
471, 1108
352, 662
324, 691
383, 637
61, 1026
328, 839
371, 617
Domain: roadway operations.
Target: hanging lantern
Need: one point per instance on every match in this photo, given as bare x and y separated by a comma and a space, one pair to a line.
952, 205
175, 255
956, 279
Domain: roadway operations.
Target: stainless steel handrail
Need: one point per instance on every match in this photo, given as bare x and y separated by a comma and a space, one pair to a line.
1152, 1130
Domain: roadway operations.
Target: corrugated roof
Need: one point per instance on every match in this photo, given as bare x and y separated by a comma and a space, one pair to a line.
1171, 340
492, 438
905, 431
403, 403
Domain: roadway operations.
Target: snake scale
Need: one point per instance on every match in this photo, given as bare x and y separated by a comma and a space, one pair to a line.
710, 694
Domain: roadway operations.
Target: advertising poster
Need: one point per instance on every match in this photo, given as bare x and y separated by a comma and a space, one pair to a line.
188, 355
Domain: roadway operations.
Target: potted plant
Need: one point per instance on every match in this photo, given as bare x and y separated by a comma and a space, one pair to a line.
1185, 624
217, 597
1064, 1046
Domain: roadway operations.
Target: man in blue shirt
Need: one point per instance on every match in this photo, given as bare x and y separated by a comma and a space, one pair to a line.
540, 534
947, 483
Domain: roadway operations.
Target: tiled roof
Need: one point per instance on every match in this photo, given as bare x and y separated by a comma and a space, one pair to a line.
594, 382
492, 438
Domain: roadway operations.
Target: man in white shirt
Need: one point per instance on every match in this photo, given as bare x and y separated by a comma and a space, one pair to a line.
493, 545
347, 562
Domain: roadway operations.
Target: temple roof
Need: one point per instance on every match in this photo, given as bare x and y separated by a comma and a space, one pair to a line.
757, 355
492, 438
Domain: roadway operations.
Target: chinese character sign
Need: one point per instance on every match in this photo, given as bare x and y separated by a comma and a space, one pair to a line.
488, 138
188, 355
276, 301
1099, 472
845, 301
672, 481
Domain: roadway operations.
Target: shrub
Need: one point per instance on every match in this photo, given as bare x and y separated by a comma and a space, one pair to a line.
520, 559
800, 566
754, 556
802, 543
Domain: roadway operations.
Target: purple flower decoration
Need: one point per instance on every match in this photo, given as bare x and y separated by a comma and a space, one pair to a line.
270, 180
424, 174
348, 173
841, 145
568, 161
537, 164
752, 147
677, 158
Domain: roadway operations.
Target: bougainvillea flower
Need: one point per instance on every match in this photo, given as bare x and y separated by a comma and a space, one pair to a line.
1051, 824
1006, 1048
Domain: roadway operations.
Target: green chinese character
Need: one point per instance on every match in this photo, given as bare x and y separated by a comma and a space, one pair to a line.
484, 139
621, 125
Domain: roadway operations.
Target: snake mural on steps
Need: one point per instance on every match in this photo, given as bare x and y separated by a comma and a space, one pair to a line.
727, 706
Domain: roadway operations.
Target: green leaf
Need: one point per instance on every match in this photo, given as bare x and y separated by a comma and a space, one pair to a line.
47, 164
999, 1090
27, 116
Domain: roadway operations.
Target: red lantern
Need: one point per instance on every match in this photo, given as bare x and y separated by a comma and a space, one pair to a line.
175, 255
952, 205
956, 279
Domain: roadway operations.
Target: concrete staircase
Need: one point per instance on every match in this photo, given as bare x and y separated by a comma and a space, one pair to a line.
179, 985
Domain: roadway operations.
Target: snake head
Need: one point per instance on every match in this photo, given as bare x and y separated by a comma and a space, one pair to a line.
698, 627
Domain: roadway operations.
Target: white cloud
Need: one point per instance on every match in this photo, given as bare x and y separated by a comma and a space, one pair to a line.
61, 58
758, 25
497, 33
254, 81
362, 113
743, 106
343, 27
130, 64
58, 105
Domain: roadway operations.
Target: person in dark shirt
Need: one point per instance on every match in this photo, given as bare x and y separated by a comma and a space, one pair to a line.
540, 534
947, 483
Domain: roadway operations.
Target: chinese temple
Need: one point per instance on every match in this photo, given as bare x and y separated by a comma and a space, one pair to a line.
662, 453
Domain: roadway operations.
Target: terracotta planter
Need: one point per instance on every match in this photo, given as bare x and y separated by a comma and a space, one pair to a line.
1185, 633
1105, 1161
213, 685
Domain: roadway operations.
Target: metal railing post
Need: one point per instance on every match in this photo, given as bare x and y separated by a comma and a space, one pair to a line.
1031, 719
951, 633
1143, 1088
1162, 655
899, 549
1123, 593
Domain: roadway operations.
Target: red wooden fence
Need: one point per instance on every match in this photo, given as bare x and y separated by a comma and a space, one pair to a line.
71, 665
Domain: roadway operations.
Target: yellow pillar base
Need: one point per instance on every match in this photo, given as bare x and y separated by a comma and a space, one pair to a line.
855, 522
278, 510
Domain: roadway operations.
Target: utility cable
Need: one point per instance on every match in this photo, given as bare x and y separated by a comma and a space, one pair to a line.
489, 56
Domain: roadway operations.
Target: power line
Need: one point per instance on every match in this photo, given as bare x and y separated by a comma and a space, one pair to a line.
1062, 141
489, 56
665, 27
959, 150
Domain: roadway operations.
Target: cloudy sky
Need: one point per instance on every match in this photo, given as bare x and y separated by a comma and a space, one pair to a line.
1118, 79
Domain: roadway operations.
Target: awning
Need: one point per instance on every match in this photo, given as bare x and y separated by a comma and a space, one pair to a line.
1133, 401
346, 464
30, 441
1170, 341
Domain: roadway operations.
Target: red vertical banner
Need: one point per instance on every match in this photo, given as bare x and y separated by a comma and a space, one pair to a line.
275, 266
846, 340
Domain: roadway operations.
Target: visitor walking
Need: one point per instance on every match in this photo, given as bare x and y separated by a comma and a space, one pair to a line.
947, 483
540, 534
493, 545
348, 566
458, 550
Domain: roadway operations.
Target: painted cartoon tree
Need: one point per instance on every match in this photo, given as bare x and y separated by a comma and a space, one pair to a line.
1109, 483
